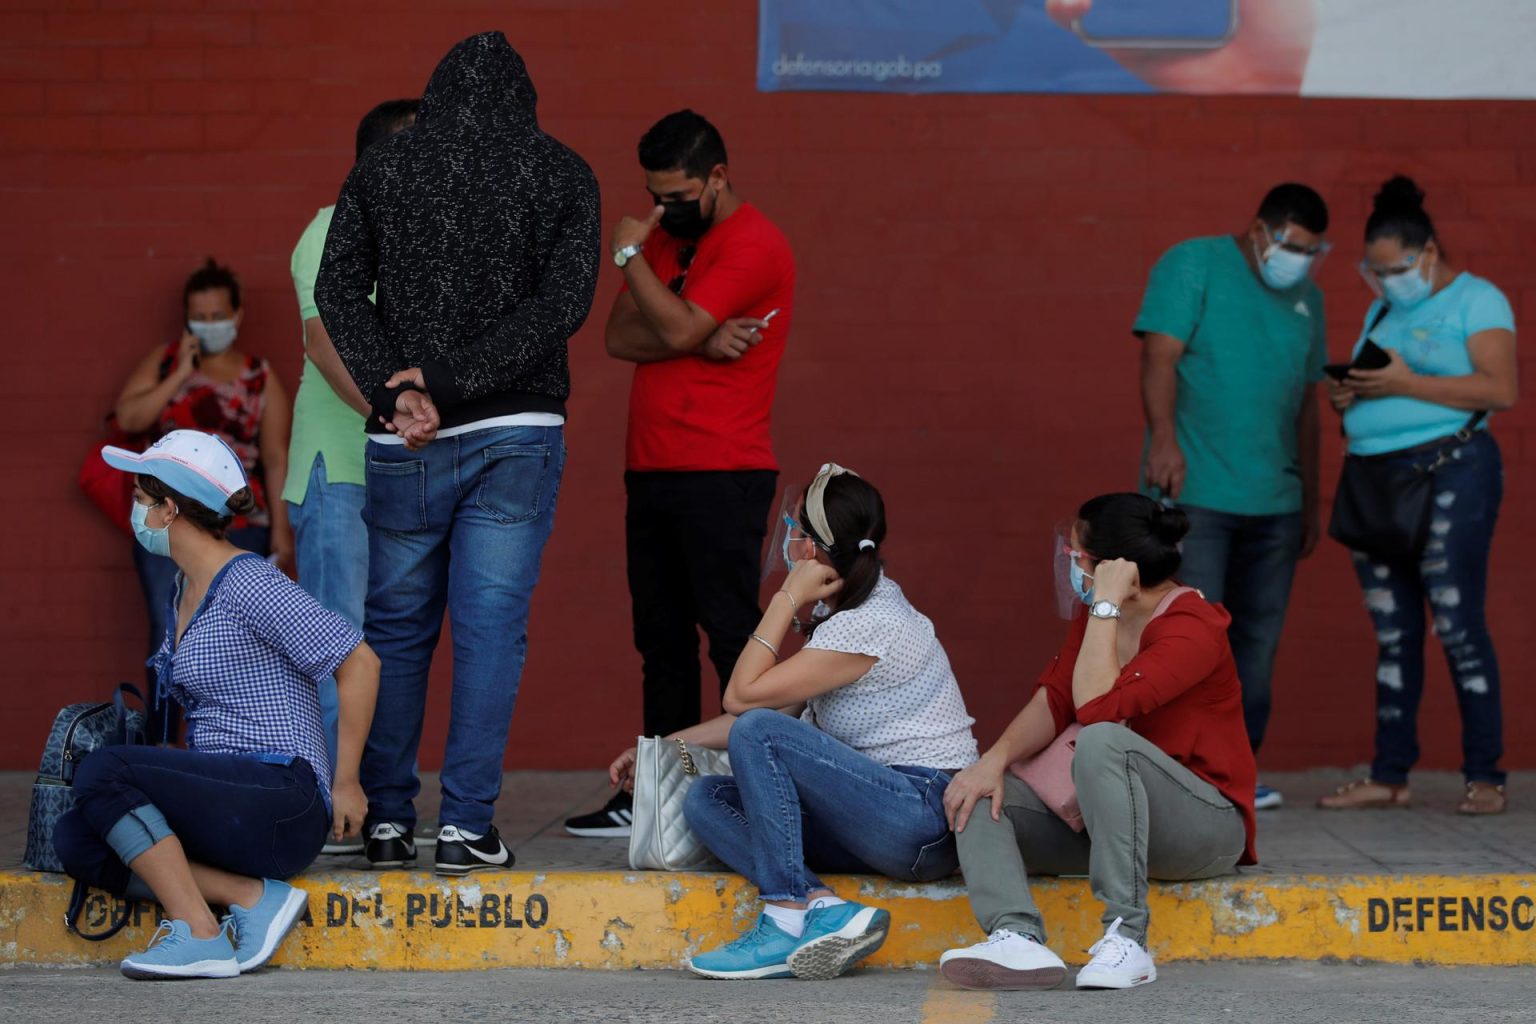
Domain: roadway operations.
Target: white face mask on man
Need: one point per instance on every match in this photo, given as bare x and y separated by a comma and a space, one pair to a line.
1281, 268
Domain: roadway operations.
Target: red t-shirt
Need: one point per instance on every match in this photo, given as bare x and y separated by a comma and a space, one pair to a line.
697, 414
1181, 692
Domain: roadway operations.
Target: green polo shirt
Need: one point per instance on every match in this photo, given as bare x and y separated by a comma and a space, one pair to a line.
1251, 356
322, 423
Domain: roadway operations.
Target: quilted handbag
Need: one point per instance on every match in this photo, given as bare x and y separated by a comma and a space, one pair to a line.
660, 839
77, 730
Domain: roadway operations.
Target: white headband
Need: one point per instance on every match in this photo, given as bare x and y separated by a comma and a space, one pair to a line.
815, 509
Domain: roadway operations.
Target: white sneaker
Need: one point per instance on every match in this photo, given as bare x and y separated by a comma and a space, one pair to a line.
1118, 962
1007, 960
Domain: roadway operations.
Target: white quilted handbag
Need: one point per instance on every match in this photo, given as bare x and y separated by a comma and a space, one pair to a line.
660, 839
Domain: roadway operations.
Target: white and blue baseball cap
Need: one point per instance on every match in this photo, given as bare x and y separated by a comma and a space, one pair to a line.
201, 466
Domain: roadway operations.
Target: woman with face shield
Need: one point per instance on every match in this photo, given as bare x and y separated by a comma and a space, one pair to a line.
1447, 338
841, 751
203, 382
1163, 772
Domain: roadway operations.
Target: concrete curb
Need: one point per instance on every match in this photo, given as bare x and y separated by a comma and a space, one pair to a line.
622, 920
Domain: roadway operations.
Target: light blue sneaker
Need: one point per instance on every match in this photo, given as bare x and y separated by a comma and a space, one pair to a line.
261, 929
761, 953
174, 953
836, 938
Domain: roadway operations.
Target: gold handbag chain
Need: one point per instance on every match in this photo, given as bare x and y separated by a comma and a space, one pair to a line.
689, 768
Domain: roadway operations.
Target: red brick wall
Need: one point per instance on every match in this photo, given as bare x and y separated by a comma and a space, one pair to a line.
969, 266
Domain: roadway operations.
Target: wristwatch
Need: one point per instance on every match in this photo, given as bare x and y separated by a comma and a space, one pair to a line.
1104, 610
624, 255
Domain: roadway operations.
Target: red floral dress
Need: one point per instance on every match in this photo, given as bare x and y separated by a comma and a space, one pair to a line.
232, 411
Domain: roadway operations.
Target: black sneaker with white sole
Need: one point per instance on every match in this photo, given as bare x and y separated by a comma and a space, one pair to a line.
612, 822
459, 854
348, 845
389, 845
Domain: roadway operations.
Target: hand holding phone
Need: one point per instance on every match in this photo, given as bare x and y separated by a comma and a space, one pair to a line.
1370, 357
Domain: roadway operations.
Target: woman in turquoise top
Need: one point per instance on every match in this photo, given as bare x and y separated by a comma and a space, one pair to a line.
1450, 336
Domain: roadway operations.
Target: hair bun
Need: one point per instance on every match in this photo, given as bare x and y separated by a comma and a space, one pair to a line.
242, 502
1399, 193
1169, 524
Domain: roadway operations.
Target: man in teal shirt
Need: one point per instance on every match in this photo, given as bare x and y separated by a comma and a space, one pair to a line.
1233, 347
325, 482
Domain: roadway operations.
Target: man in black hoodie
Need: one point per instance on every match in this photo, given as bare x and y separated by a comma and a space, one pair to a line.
482, 233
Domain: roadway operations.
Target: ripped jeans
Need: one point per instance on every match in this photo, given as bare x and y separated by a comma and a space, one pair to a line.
801, 801
1452, 577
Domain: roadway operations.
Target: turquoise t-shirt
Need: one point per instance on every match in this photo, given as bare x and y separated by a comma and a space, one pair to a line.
322, 422
1432, 339
1251, 355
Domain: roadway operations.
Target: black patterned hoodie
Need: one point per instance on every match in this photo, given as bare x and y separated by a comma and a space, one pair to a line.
482, 233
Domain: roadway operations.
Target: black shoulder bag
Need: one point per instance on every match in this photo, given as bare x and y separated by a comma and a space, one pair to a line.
1383, 506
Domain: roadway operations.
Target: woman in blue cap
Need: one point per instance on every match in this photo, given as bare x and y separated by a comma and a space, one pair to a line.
251, 799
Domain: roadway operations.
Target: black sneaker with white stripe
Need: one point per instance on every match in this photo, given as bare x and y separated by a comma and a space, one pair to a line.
612, 822
389, 845
460, 852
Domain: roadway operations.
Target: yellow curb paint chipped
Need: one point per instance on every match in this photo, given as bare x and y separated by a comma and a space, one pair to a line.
620, 920
946, 1005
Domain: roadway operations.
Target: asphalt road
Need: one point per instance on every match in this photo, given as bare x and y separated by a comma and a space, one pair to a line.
1250, 993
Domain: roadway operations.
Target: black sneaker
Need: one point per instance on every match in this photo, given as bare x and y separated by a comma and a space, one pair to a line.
389, 845
457, 854
612, 822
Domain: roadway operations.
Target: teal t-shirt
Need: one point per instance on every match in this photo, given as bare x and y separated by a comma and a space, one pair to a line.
322, 423
1251, 354
1432, 339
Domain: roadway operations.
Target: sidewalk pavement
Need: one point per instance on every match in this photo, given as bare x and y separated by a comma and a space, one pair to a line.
1415, 885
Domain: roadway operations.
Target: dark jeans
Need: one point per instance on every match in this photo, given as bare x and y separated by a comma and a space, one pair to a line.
1246, 563
237, 813
1452, 576
695, 543
157, 580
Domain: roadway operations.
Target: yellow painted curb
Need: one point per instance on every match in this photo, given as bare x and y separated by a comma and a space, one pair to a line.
414, 921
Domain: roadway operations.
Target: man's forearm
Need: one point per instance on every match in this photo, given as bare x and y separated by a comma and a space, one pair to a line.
1308, 434
322, 352
1159, 395
668, 316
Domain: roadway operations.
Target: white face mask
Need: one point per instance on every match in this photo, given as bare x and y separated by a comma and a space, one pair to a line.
1281, 268
214, 335
1411, 287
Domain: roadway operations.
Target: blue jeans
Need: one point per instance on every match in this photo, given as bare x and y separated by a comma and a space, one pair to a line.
157, 581
331, 544
1246, 563
237, 813
1452, 577
800, 801
461, 526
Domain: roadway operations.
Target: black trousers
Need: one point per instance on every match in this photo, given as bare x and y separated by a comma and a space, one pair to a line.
695, 543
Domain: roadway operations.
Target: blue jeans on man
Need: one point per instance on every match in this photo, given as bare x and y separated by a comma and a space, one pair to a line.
330, 543
1247, 564
458, 526
801, 802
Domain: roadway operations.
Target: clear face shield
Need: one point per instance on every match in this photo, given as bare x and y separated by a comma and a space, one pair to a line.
1068, 601
789, 542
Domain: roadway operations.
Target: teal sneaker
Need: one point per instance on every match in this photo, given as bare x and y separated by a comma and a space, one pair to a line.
262, 928
836, 938
174, 953
761, 953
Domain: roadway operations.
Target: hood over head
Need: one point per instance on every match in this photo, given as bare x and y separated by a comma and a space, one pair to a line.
481, 83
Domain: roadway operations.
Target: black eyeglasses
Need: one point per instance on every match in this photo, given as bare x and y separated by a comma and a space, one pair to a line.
684, 258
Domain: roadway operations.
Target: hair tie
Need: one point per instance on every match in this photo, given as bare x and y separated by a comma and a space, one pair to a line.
866, 545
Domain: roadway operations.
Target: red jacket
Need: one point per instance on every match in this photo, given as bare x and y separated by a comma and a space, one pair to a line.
1181, 692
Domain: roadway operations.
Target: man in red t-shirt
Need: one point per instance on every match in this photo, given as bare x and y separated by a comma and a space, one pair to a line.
704, 313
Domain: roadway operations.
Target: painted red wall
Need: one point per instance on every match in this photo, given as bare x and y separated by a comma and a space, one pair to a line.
969, 267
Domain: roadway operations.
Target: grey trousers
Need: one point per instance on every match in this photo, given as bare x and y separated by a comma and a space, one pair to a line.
1145, 815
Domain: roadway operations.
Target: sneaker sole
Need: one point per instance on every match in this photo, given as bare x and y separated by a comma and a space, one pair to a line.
606, 832
381, 865
1109, 981
455, 870
755, 974
976, 973
282, 923
341, 850
181, 972
832, 955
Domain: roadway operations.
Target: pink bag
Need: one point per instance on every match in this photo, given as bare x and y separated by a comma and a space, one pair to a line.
1049, 773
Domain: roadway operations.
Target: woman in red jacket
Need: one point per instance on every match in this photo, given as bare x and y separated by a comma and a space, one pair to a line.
1162, 769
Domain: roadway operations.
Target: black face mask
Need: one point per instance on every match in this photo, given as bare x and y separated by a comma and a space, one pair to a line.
685, 219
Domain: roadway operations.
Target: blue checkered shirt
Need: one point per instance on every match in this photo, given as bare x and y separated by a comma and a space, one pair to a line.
247, 667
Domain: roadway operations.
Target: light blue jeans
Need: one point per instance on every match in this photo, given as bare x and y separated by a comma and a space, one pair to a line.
461, 526
801, 801
330, 542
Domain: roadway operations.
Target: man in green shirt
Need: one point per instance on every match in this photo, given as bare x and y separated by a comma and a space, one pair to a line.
1233, 347
324, 490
